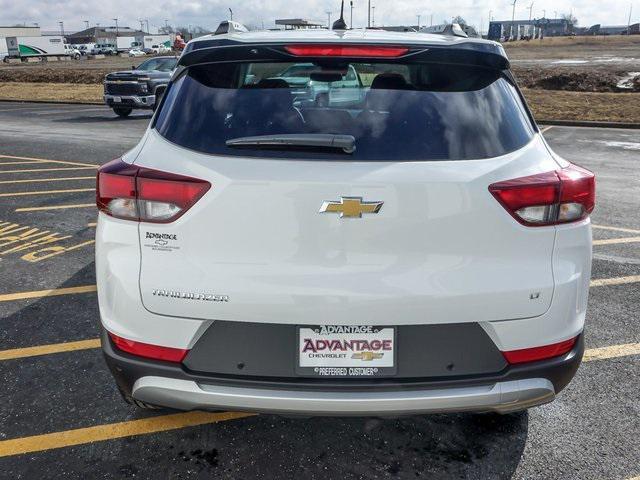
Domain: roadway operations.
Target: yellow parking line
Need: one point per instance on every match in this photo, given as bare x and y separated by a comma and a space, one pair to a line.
80, 436
546, 129
35, 170
614, 351
92, 224
47, 160
599, 282
612, 241
40, 180
49, 349
46, 192
55, 207
53, 292
615, 229
19, 163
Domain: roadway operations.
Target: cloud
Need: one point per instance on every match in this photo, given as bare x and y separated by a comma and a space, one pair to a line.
208, 13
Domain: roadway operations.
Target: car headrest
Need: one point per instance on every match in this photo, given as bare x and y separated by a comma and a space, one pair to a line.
389, 81
272, 83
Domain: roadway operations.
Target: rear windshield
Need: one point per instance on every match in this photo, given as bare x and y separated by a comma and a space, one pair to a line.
394, 111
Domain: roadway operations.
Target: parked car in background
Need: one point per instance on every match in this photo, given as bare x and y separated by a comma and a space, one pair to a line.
104, 49
136, 52
139, 88
72, 51
160, 49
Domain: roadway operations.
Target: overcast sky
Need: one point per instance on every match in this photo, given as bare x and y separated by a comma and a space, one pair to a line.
208, 13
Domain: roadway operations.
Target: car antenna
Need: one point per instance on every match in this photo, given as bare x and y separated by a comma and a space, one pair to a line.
340, 24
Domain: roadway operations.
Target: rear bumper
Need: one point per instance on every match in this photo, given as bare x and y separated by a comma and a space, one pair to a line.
515, 388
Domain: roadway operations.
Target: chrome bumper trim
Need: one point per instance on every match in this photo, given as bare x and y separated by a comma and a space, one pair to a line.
501, 397
142, 100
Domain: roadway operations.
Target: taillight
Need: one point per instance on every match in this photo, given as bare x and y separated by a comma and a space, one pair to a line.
329, 50
146, 350
142, 194
550, 198
539, 353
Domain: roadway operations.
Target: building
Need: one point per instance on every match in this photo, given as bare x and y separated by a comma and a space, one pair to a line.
297, 23
104, 35
536, 28
19, 31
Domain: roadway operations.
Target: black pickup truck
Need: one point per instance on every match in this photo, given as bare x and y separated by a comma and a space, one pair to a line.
141, 87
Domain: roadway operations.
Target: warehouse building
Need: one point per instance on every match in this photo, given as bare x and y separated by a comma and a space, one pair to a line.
504, 30
104, 35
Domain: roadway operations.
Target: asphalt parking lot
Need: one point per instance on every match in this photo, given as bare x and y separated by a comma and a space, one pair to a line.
62, 417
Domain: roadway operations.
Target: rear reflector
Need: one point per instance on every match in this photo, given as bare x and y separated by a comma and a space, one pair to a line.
345, 50
146, 350
539, 353
136, 193
549, 198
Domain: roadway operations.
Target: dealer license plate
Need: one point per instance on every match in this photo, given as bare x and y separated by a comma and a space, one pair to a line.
346, 351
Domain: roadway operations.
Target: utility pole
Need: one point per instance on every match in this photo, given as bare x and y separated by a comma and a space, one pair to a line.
351, 21
141, 25
166, 25
369, 14
147, 22
373, 16
530, 10
629, 21
418, 22
328, 19
116, 20
555, 14
431, 23
513, 18
61, 28
86, 22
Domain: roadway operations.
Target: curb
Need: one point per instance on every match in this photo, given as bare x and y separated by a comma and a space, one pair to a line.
585, 123
56, 102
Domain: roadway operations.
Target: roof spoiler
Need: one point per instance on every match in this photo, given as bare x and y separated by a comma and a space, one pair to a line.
229, 26
451, 29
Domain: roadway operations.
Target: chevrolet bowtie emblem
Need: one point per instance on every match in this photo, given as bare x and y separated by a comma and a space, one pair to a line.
367, 356
351, 207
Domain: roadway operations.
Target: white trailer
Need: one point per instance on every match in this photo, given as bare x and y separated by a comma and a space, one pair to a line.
45, 46
150, 40
127, 43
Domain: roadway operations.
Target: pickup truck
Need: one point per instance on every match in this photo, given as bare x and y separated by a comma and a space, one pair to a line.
139, 88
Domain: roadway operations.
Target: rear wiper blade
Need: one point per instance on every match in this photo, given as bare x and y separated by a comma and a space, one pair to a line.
346, 143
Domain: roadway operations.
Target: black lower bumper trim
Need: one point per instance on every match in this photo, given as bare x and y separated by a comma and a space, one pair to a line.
126, 369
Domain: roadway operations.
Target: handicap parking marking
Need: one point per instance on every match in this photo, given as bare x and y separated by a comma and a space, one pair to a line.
33, 244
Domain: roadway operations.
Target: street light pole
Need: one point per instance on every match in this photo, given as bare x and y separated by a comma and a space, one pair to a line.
351, 21
530, 10
418, 22
373, 16
328, 19
513, 18
86, 22
61, 28
116, 20
369, 14
231, 13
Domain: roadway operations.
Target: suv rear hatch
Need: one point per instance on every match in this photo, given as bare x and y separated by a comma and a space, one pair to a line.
402, 230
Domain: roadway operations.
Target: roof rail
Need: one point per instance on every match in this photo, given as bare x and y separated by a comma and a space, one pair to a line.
229, 26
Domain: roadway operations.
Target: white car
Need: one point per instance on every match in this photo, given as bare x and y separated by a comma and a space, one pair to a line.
136, 52
160, 49
422, 251
72, 51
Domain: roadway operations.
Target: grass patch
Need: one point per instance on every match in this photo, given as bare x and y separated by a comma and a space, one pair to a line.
546, 105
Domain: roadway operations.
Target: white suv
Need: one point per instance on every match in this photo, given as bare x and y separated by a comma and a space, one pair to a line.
422, 250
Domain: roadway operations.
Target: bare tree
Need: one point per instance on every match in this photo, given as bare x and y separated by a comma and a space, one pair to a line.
570, 17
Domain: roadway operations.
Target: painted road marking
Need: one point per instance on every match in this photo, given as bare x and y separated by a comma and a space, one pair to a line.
18, 163
53, 292
81, 436
46, 192
34, 170
600, 282
614, 351
92, 224
55, 207
613, 241
545, 129
615, 229
58, 112
49, 349
47, 160
39, 180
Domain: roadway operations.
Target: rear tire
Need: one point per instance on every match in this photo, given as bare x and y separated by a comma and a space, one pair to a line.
122, 111
137, 403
